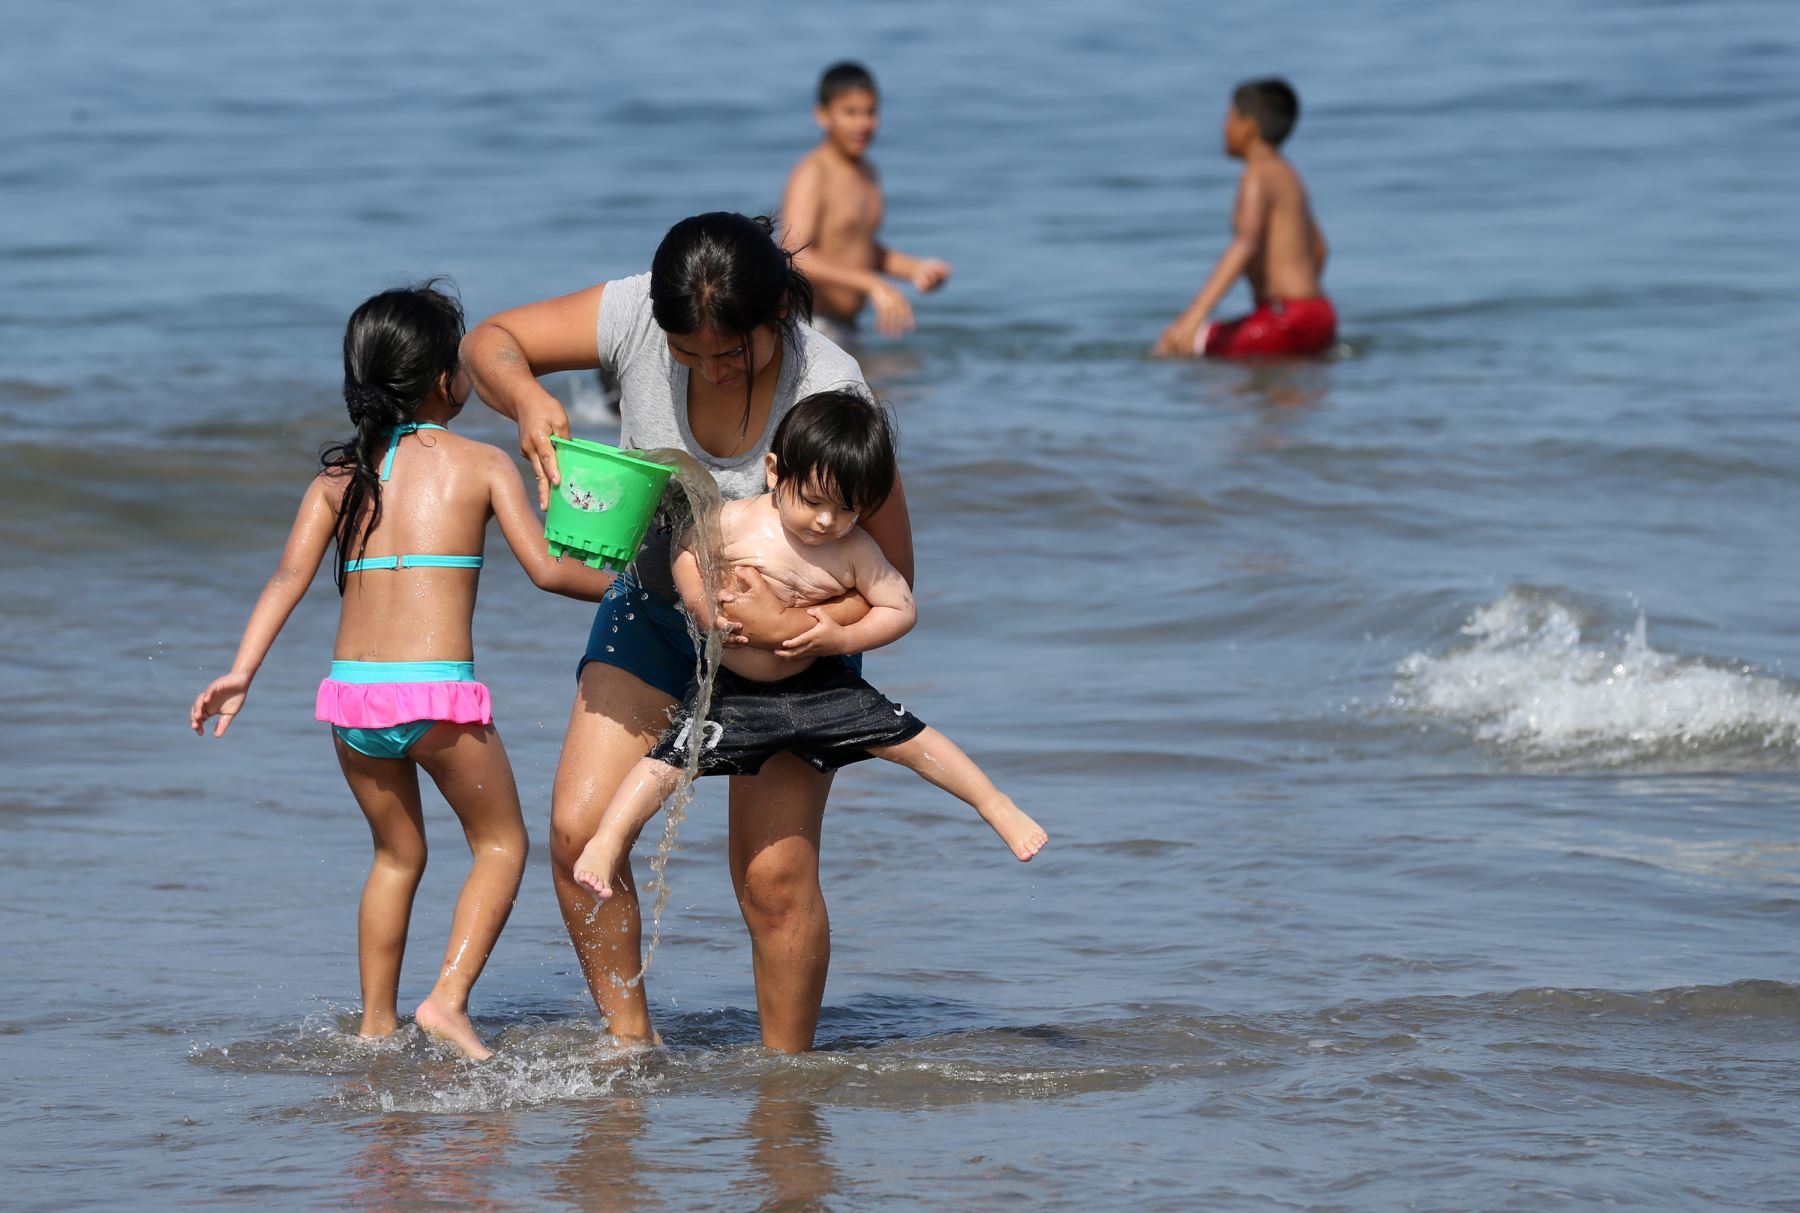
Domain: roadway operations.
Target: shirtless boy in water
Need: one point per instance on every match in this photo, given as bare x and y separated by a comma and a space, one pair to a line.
832, 460
1276, 244
832, 211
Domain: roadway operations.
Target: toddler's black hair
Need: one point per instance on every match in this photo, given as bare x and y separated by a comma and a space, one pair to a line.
845, 77
843, 441
1272, 103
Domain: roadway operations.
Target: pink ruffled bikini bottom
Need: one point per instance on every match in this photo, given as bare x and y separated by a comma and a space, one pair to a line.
380, 694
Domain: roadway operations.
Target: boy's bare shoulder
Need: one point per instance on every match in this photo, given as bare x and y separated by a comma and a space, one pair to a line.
1277, 173
809, 168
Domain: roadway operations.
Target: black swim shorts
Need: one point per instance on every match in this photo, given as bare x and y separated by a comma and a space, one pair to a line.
827, 714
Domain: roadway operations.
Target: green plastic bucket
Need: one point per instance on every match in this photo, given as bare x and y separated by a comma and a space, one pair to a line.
600, 511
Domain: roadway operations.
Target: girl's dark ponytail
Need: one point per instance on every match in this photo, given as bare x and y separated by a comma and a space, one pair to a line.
398, 347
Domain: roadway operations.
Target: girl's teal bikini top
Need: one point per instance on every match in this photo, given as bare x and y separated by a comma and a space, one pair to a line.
409, 561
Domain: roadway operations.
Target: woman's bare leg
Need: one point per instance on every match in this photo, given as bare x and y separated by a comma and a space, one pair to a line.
469, 765
616, 719
939, 760
387, 790
775, 821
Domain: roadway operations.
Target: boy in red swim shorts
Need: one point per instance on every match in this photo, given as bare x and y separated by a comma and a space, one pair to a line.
1276, 244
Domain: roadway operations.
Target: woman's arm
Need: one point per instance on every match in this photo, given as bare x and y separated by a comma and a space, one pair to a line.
764, 621
891, 529
890, 616
523, 531
306, 545
505, 354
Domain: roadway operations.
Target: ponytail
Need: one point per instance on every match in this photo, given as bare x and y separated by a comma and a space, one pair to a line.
398, 347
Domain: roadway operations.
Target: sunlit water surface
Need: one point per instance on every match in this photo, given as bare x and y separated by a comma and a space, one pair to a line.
1416, 732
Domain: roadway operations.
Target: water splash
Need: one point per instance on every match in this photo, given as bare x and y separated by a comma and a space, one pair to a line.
696, 511
1533, 682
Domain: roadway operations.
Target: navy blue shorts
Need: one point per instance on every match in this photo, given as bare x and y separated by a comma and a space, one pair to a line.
642, 635
647, 637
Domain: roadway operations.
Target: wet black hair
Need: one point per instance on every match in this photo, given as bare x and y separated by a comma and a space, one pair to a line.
1272, 103
727, 272
843, 441
845, 77
398, 347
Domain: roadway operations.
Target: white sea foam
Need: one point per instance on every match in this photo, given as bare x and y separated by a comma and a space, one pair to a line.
1534, 682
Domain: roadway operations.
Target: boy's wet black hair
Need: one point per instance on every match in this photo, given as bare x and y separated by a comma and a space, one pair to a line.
726, 272
843, 441
845, 77
398, 347
1272, 103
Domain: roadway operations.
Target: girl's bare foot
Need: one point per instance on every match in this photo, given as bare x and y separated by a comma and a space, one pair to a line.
1023, 836
594, 869
440, 1022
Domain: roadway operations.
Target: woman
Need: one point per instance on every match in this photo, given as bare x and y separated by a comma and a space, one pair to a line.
711, 350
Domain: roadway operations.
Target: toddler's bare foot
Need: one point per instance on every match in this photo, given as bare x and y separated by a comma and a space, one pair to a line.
440, 1022
595, 867
1023, 836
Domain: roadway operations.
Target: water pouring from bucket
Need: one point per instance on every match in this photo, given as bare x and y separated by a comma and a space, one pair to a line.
602, 510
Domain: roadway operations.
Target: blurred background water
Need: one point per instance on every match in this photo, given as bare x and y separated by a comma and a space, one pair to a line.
1416, 731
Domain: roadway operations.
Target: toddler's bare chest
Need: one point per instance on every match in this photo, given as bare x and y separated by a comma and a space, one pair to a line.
795, 580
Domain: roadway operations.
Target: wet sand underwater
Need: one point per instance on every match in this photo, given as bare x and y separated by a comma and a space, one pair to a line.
1416, 731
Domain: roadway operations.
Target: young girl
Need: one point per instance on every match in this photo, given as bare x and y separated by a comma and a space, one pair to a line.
407, 503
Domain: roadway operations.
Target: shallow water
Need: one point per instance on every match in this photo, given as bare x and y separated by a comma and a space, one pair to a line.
1416, 732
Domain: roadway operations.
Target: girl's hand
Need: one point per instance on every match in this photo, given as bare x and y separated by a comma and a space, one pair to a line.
824, 639
224, 699
540, 416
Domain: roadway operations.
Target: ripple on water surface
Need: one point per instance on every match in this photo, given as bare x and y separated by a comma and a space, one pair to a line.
1700, 1043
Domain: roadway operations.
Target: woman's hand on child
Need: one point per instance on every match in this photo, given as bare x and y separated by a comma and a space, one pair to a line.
824, 639
224, 698
730, 630
540, 416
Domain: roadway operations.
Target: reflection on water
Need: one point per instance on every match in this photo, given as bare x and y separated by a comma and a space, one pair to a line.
789, 1153
613, 1159
1294, 383
410, 1162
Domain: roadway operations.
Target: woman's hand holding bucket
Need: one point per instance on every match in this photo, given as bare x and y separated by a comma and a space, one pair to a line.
542, 417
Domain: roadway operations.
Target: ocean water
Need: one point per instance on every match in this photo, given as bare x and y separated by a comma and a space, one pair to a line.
1416, 731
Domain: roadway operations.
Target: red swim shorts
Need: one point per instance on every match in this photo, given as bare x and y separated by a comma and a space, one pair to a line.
1277, 328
